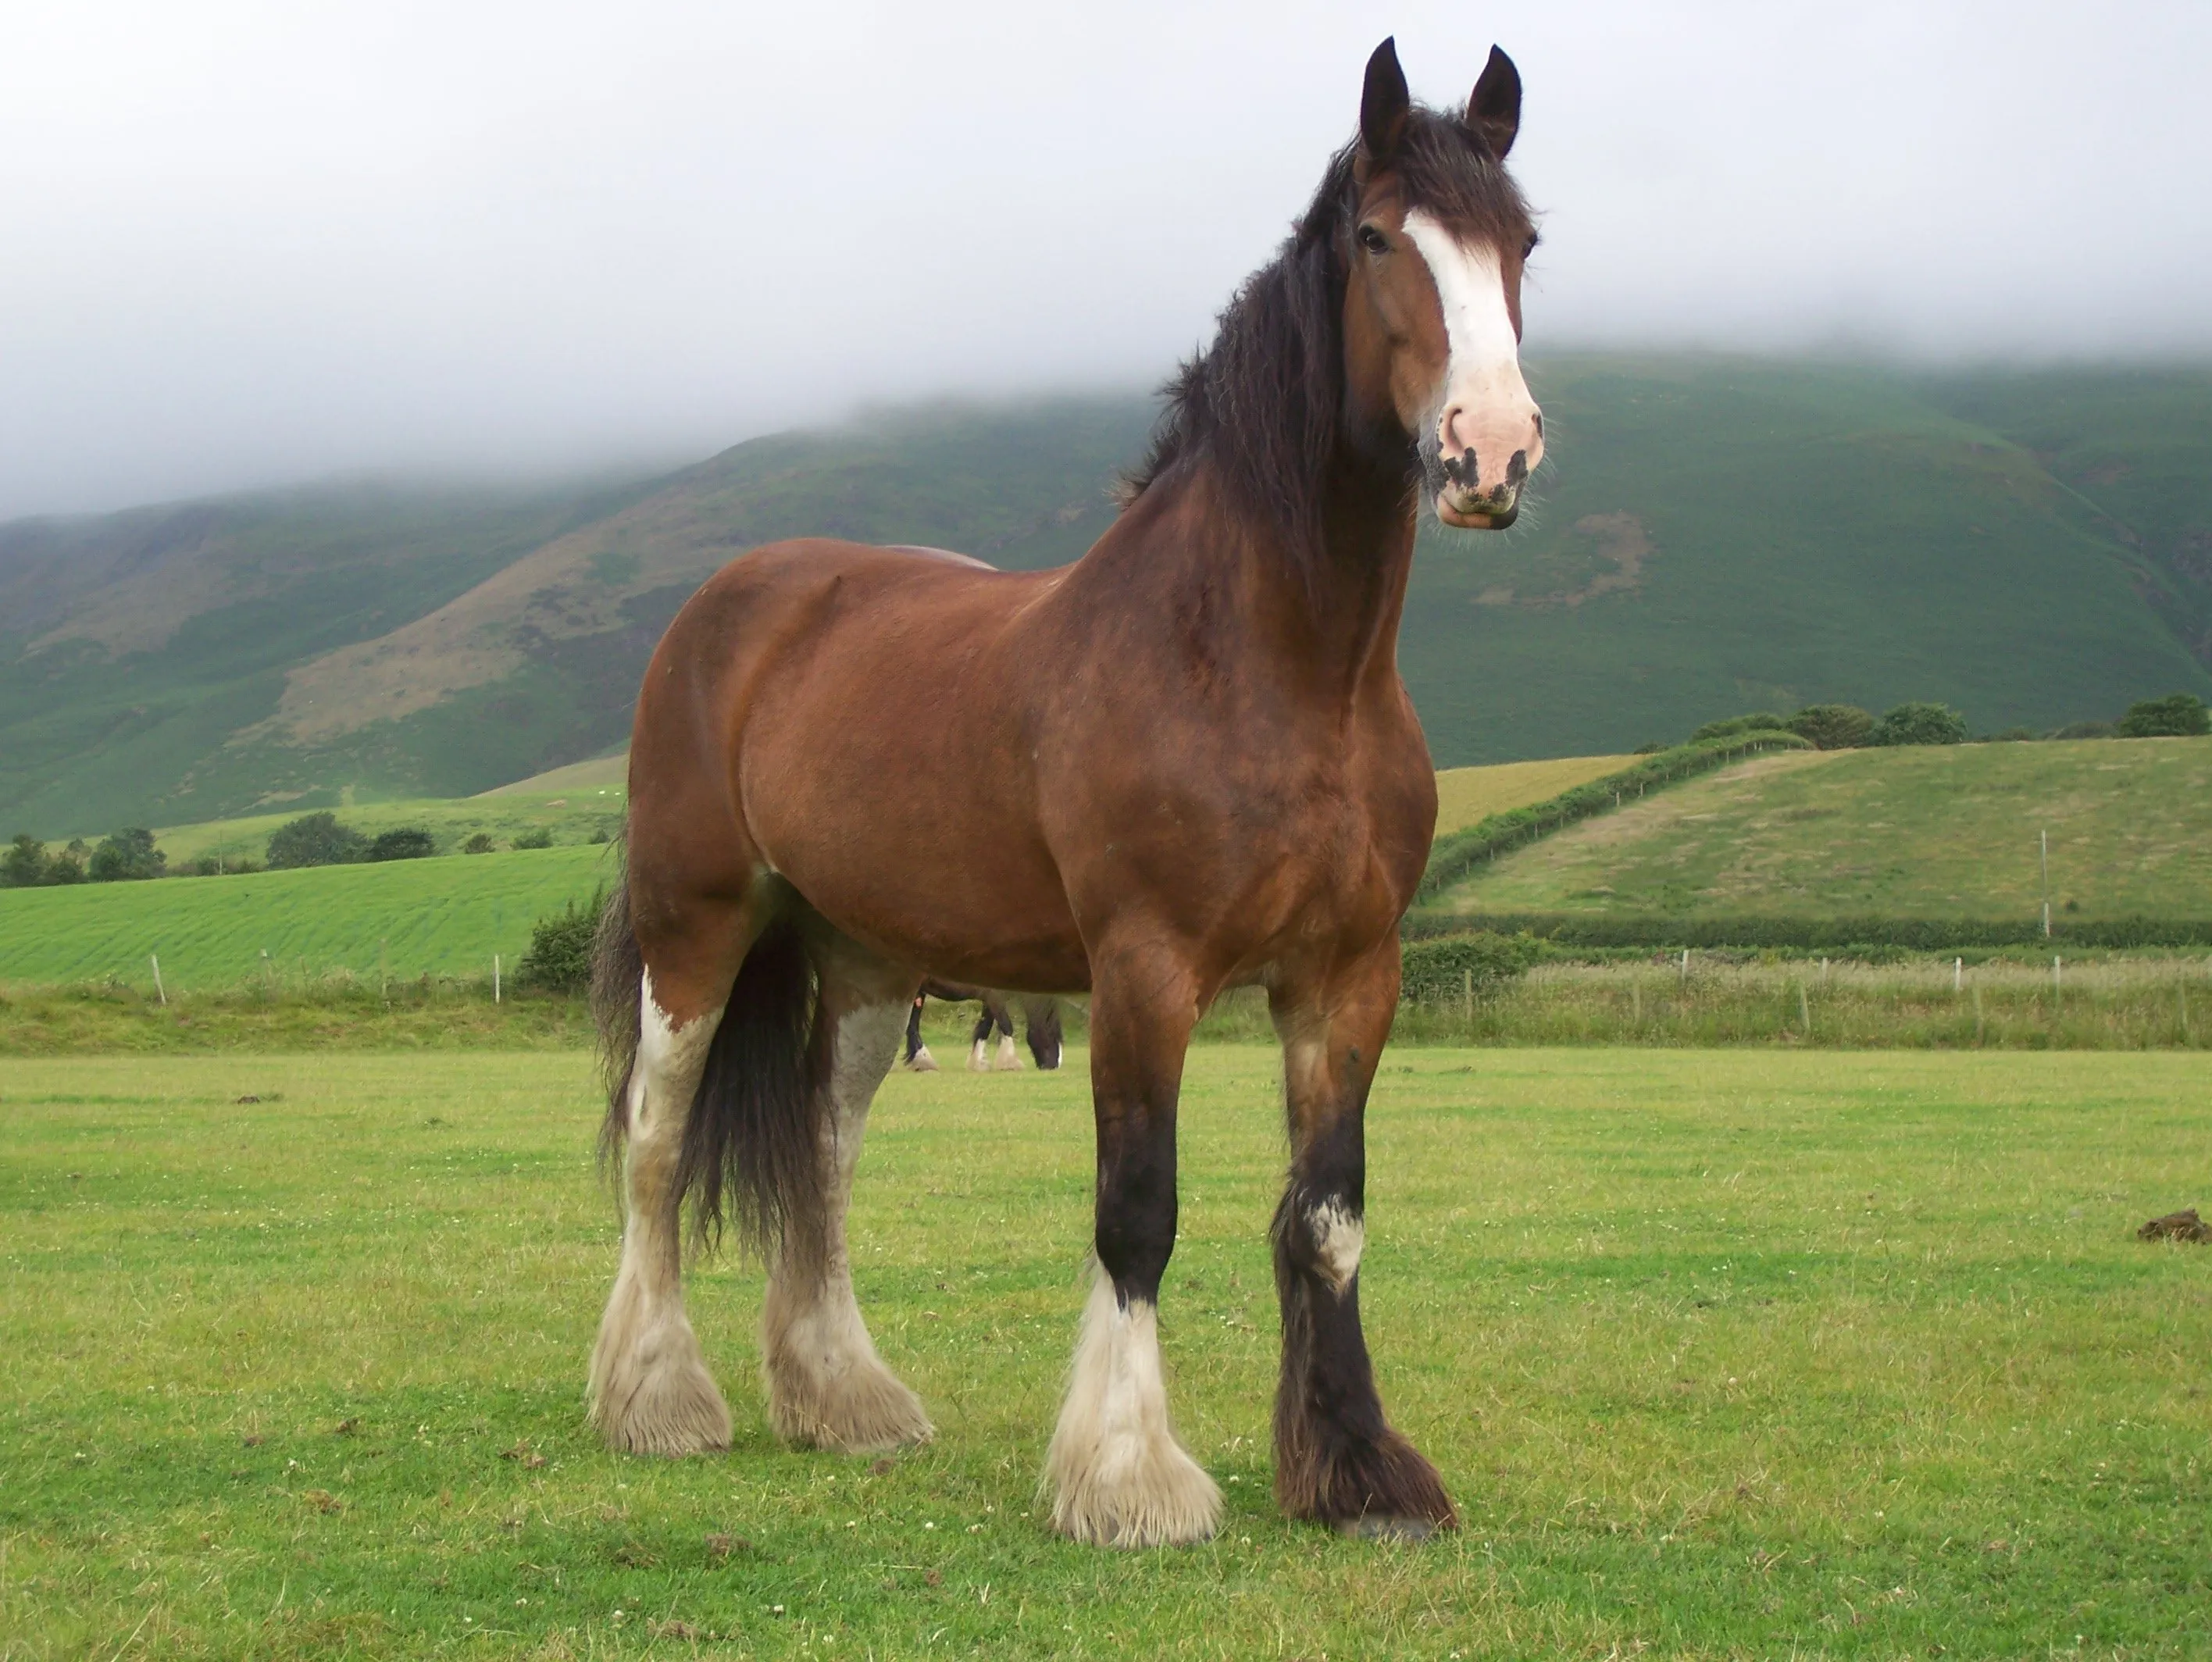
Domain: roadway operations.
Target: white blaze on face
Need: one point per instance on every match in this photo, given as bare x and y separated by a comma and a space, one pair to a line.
1484, 405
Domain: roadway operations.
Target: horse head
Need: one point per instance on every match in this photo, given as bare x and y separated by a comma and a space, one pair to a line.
1432, 248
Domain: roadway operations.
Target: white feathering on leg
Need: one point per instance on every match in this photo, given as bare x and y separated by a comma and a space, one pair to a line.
1118, 1475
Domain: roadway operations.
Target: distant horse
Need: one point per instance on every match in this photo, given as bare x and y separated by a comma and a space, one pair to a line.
1193, 765
1042, 1014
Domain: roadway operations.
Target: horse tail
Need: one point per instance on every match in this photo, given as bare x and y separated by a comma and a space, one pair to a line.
752, 1140
617, 974
752, 1144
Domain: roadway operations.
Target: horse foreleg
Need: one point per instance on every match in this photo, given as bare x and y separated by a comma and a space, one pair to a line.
650, 1391
827, 1387
998, 1013
1118, 1475
1337, 1460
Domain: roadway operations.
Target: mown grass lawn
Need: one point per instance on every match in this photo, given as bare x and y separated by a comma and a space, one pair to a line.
1723, 1353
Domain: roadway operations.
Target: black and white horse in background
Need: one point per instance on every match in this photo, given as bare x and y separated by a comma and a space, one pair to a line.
1040, 1016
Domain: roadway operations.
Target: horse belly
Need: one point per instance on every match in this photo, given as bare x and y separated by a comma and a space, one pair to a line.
889, 783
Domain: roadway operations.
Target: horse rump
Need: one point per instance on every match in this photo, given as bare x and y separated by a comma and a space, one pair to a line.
752, 1140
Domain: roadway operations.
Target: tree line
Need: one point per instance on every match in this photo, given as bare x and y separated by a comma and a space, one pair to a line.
319, 839
1847, 727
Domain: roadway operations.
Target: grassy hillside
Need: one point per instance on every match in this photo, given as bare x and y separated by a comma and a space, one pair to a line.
1938, 832
606, 774
1465, 796
135, 646
442, 916
1711, 535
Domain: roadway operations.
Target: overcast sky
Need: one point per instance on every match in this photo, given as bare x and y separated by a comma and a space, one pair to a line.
244, 243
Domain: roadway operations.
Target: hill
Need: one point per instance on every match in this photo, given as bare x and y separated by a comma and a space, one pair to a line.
1711, 535
1943, 832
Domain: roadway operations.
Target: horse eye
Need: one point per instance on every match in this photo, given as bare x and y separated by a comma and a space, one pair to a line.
1373, 240
1529, 247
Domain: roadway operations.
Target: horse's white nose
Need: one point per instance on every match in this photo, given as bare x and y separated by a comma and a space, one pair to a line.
1492, 447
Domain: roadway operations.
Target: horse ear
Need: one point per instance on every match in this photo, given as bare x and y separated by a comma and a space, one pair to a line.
1494, 112
1383, 104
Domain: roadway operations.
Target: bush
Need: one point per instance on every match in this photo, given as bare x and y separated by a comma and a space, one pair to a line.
1833, 726
1763, 721
315, 840
1920, 723
538, 839
24, 864
128, 856
405, 842
2082, 729
559, 959
1437, 970
2178, 715
479, 844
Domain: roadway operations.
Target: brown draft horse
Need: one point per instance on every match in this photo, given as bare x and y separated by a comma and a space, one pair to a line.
1194, 767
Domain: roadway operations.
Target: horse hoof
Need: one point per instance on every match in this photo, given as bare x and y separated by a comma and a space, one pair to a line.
921, 1061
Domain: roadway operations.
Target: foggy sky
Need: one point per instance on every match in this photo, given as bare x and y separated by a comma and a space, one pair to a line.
246, 243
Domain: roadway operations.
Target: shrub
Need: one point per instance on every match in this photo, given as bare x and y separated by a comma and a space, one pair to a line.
2082, 729
540, 838
314, 840
68, 866
1833, 726
405, 842
1437, 970
1920, 723
128, 856
2178, 715
24, 866
559, 958
479, 844
1763, 721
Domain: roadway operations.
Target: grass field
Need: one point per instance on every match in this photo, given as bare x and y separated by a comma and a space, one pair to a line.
1924, 831
1721, 1355
1465, 796
609, 774
444, 916
575, 816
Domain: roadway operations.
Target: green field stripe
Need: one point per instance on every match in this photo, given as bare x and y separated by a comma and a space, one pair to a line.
439, 917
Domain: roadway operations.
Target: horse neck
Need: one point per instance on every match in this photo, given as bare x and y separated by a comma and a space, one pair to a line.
1330, 618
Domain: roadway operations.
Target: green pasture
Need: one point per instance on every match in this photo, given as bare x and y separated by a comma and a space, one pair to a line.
574, 816
1722, 1354
444, 916
1937, 831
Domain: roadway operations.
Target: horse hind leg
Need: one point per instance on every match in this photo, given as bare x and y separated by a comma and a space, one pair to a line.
650, 1391
997, 1012
827, 1387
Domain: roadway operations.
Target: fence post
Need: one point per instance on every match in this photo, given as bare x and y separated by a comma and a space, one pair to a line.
1686, 965
1804, 1009
2043, 842
1958, 974
495, 978
154, 959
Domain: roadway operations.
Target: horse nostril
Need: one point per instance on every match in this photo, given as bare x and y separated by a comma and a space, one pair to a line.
1539, 424
1517, 469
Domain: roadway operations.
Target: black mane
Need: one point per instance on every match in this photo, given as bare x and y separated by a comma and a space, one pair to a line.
1265, 401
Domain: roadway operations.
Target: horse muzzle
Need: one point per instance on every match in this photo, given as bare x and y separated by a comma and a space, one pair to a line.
1468, 506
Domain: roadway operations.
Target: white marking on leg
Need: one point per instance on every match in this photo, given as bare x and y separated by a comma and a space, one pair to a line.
827, 1387
923, 1062
1118, 1475
650, 1391
1340, 1236
978, 1060
1009, 1059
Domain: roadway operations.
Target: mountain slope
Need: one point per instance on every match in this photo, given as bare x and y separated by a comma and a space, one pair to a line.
1711, 535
